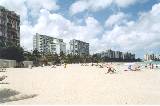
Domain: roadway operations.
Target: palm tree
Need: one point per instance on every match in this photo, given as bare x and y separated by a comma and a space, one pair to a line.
36, 57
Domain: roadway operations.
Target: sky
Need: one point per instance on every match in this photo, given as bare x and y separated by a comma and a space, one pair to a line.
125, 25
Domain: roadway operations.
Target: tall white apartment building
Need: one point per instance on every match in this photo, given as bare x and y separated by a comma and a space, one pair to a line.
46, 44
78, 47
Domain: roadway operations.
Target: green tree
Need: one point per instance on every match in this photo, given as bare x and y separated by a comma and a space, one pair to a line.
62, 57
36, 57
28, 56
96, 58
12, 53
56, 58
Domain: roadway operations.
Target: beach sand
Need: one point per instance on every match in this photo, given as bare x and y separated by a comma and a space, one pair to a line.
78, 84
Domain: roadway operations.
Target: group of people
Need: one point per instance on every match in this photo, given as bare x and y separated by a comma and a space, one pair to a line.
133, 67
108, 66
54, 65
151, 66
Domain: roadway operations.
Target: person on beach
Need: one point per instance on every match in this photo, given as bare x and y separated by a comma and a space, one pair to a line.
134, 67
92, 64
100, 66
156, 66
112, 70
130, 67
65, 65
2, 77
152, 66
146, 66
53, 66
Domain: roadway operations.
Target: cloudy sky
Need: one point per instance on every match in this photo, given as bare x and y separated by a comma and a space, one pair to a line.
125, 25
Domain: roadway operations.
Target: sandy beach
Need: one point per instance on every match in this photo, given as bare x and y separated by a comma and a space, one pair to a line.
78, 84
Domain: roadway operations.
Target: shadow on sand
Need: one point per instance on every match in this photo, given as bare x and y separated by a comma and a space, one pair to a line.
8, 95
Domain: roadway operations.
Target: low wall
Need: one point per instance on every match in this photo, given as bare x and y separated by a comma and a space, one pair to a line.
7, 63
27, 63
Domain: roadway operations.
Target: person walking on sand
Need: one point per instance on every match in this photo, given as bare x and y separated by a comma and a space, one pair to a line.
110, 69
156, 66
152, 66
65, 65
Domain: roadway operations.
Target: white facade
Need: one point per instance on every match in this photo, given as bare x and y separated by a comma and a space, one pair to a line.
117, 55
27, 63
47, 44
148, 57
78, 47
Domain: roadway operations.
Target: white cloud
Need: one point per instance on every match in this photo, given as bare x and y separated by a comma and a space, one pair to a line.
35, 6
136, 36
96, 5
17, 6
125, 3
26, 38
123, 35
93, 5
78, 6
119, 18
56, 25
28, 9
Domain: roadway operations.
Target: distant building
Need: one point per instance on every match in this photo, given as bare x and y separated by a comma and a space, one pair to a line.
148, 57
108, 53
9, 28
128, 56
78, 47
118, 55
46, 44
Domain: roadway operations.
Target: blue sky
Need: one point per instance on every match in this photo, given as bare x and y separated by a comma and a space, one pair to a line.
103, 14
126, 25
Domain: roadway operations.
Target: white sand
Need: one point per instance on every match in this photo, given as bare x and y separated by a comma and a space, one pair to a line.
84, 85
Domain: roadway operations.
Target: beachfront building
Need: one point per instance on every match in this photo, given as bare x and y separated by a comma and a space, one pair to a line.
128, 56
46, 44
78, 47
116, 55
108, 53
9, 28
149, 57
